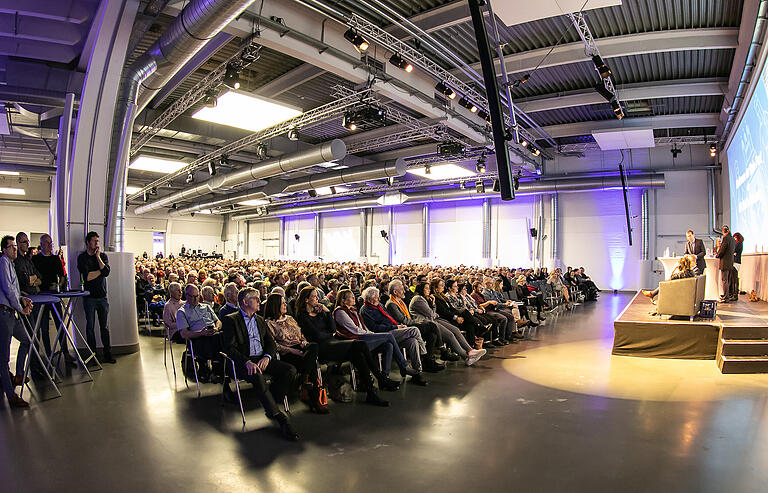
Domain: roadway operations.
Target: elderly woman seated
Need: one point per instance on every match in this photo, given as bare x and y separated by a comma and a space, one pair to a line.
422, 308
378, 320
683, 270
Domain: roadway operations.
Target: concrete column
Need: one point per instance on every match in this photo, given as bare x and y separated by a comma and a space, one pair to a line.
59, 189
88, 178
555, 229
487, 229
363, 233
317, 235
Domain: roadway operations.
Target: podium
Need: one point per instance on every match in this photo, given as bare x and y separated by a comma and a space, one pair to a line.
712, 286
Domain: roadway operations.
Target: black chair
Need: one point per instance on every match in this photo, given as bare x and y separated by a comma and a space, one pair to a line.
238, 380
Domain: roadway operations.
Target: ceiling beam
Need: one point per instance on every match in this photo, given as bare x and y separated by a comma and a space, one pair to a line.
436, 19
73, 12
293, 78
659, 121
189, 125
665, 89
617, 46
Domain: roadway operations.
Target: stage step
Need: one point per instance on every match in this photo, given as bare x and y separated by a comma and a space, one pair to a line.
742, 364
742, 347
744, 332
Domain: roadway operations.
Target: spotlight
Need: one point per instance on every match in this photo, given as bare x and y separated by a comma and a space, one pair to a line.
292, 134
190, 178
617, 109
516, 179
353, 37
496, 186
427, 169
712, 150
536, 152
333, 190
524, 143
312, 193
211, 168
153, 191
675, 151
211, 98
391, 181
400, 63
480, 166
384, 233
261, 151
445, 90
231, 77
601, 67
480, 187
349, 122
482, 114
468, 105
224, 160
463, 185
297, 237
144, 196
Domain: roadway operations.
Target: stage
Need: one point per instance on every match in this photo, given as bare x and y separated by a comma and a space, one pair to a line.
638, 333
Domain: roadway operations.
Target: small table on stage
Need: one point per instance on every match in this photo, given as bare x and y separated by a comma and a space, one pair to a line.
68, 320
712, 286
32, 330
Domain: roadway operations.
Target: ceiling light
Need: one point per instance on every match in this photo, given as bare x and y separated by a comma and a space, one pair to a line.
617, 109
156, 165
712, 150
205, 211
153, 191
330, 190
132, 190
524, 143
246, 111
468, 105
391, 181
445, 171
353, 37
211, 168
601, 67
445, 90
292, 134
400, 63
536, 152
12, 191
480, 166
254, 202
312, 193
480, 187
231, 77
9, 173
210, 98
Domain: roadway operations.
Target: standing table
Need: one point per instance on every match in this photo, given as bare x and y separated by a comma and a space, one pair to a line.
68, 320
32, 330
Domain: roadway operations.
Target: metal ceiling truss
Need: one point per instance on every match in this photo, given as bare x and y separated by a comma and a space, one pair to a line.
659, 141
431, 131
211, 81
590, 47
315, 115
373, 33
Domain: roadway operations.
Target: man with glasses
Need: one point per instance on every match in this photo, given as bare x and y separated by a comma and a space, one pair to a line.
12, 303
197, 322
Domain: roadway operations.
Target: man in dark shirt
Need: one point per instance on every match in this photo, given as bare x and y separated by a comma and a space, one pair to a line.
94, 269
29, 277
51, 273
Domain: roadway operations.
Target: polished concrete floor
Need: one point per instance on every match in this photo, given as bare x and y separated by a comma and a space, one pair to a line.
554, 414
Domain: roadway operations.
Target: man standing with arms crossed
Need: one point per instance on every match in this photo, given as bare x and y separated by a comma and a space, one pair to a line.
94, 269
11, 305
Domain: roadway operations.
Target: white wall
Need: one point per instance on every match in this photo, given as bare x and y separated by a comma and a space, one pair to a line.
340, 236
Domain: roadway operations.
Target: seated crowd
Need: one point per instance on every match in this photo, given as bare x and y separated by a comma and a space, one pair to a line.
282, 319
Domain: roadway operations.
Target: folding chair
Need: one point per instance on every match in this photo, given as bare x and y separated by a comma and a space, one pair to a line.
191, 351
167, 346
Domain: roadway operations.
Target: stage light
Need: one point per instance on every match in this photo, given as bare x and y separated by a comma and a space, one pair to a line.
292, 134
496, 186
349, 121
524, 143
144, 196
312, 193
617, 109
675, 151
384, 234
482, 114
231, 77
712, 150
427, 169
190, 178
480, 187
445, 90
353, 37
468, 105
601, 67
400, 63
210, 100
391, 181
536, 152
516, 179
480, 166
211, 168
251, 53
153, 191
333, 190
224, 160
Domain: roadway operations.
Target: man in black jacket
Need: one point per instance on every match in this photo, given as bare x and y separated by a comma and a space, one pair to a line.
249, 343
695, 247
93, 266
725, 251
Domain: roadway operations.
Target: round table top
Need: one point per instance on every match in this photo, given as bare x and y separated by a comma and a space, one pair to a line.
43, 298
67, 294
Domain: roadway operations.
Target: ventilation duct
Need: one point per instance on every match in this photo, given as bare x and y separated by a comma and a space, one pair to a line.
344, 176
655, 180
329, 151
199, 21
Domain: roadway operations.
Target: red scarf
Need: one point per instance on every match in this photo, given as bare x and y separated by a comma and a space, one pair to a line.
383, 312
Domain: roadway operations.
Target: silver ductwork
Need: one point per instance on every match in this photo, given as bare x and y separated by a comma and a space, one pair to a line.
650, 180
329, 151
193, 27
376, 171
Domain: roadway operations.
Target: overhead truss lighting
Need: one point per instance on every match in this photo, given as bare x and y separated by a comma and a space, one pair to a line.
353, 37
445, 171
445, 90
400, 63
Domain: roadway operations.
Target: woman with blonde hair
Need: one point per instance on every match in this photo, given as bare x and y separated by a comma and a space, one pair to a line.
684, 269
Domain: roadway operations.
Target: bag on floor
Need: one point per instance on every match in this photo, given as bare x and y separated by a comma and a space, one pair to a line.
188, 365
338, 388
314, 394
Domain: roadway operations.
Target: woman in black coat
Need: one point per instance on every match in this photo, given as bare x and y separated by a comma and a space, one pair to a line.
467, 322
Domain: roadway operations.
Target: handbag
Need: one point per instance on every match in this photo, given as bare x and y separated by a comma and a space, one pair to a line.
314, 394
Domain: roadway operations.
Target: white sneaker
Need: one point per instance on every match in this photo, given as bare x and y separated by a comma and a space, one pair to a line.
473, 356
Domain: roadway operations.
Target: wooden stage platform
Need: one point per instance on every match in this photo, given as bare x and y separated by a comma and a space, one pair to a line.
742, 325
